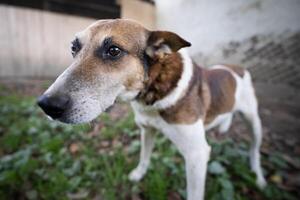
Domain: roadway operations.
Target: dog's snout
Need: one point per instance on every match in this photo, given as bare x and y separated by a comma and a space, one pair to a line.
54, 106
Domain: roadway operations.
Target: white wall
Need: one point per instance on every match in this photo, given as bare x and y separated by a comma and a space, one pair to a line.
211, 24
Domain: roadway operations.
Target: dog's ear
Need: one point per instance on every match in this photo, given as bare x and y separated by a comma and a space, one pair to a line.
164, 42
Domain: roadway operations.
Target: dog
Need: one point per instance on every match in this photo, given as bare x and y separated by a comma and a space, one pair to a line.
121, 60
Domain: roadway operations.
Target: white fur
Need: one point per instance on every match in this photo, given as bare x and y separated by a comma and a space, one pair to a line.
127, 95
90, 100
220, 120
147, 141
182, 85
246, 103
189, 139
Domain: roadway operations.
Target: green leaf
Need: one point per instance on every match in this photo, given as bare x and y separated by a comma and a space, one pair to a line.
226, 184
216, 167
278, 161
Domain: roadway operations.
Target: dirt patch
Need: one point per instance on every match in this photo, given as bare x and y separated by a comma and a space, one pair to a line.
32, 87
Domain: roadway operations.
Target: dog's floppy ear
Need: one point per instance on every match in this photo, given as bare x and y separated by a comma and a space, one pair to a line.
164, 42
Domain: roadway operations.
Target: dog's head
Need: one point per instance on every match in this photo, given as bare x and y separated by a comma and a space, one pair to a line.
111, 60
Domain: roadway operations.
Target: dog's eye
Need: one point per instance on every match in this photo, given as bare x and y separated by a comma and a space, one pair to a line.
75, 48
114, 51
109, 51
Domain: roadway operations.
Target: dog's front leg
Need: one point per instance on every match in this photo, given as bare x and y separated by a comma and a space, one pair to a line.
147, 143
191, 142
195, 166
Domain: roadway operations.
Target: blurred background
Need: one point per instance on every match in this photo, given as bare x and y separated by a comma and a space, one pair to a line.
47, 160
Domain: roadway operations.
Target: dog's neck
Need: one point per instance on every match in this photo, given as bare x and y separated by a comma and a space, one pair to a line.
168, 80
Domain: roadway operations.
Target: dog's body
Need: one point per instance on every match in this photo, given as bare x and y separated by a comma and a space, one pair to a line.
167, 92
208, 98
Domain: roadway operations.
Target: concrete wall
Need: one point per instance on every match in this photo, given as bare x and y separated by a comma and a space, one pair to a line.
211, 24
263, 35
36, 43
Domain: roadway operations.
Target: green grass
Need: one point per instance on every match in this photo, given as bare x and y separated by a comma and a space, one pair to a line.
42, 159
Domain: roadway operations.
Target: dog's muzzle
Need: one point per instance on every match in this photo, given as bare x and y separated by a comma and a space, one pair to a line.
54, 106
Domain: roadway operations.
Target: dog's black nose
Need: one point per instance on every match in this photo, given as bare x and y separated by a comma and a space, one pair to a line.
54, 106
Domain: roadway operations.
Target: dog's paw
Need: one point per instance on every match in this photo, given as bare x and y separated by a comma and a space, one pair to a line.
136, 175
261, 183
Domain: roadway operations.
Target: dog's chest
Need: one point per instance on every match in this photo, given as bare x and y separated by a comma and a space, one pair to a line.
147, 116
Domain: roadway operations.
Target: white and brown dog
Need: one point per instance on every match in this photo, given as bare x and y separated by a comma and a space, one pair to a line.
120, 59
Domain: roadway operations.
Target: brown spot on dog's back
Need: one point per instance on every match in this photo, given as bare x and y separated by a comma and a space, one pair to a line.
210, 93
191, 106
222, 86
237, 69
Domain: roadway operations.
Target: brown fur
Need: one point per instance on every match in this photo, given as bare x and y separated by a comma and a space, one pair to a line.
174, 42
192, 106
222, 86
162, 78
237, 69
129, 36
210, 93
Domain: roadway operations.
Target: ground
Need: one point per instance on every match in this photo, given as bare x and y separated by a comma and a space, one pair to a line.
42, 159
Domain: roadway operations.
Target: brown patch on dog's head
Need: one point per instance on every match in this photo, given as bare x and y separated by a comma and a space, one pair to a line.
165, 65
